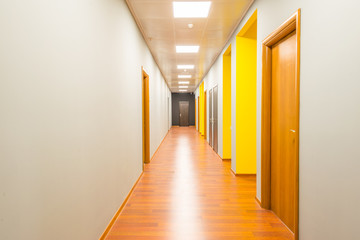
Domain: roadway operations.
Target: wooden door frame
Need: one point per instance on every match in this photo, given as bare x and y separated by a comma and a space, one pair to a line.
211, 136
205, 115
290, 25
168, 113
198, 113
145, 116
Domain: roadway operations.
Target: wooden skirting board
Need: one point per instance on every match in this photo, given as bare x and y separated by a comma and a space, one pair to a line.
258, 201
159, 145
242, 174
183, 126
103, 236
218, 155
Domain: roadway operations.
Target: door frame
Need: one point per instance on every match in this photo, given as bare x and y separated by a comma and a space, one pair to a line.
145, 116
290, 25
205, 115
198, 113
168, 112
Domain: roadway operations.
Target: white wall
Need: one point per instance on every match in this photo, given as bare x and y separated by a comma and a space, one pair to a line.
160, 115
70, 115
329, 111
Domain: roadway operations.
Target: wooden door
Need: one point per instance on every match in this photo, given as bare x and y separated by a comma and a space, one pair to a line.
284, 121
184, 113
145, 118
205, 115
280, 122
168, 113
198, 113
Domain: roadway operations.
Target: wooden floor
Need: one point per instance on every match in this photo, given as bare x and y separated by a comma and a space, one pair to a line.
188, 193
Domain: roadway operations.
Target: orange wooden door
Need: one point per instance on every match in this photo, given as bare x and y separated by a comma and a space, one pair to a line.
198, 114
205, 115
146, 115
284, 122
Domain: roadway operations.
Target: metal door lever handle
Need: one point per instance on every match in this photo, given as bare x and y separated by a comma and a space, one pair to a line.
292, 130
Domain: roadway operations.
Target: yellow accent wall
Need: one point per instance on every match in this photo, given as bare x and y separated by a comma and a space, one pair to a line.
227, 104
201, 108
246, 98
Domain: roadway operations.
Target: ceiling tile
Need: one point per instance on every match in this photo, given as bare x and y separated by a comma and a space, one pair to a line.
163, 32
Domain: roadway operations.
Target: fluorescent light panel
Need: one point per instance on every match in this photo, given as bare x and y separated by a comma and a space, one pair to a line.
185, 66
187, 49
184, 76
183, 86
191, 9
184, 82
182, 90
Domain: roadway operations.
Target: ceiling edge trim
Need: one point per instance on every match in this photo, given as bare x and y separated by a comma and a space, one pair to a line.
146, 41
226, 43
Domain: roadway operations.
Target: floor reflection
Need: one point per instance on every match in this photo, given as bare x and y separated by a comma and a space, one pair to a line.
188, 193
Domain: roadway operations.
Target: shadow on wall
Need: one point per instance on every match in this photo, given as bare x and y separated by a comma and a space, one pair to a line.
176, 97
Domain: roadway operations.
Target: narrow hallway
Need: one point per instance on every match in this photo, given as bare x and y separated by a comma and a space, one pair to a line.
187, 192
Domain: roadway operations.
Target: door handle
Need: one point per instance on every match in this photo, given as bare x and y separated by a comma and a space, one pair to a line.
292, 130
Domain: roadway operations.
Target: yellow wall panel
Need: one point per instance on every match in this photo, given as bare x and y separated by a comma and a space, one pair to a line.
227, 104
246, 99
201, 108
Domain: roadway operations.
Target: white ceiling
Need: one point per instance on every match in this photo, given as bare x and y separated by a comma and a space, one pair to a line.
163, 32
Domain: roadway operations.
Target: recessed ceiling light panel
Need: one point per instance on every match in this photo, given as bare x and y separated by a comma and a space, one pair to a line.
183, 86
191, 9
182, 90
184, 76
185, 66
187, 49
184, 82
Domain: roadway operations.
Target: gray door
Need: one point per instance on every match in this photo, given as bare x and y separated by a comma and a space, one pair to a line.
215, 119
184, 113
210, 118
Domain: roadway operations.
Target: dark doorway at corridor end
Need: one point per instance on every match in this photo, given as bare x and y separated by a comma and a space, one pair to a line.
183, 97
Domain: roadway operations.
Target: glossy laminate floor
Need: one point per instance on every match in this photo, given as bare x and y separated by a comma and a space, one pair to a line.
188, 193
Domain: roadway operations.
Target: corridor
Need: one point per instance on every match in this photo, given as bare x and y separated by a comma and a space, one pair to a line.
187, 192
